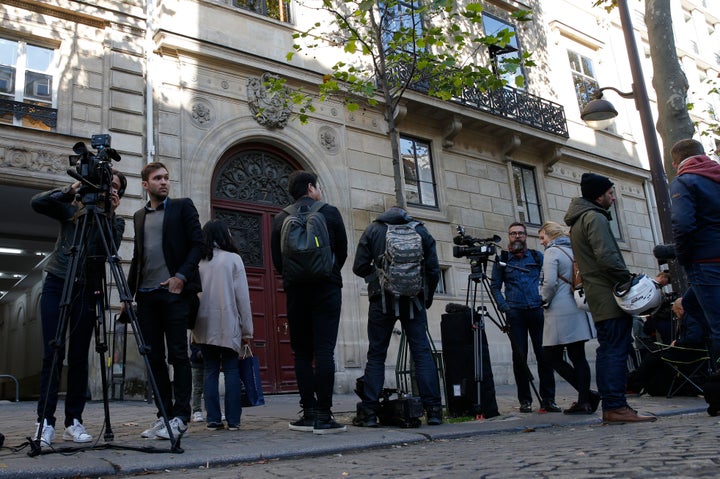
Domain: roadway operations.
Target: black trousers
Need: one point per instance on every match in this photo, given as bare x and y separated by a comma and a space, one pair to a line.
163, 319
314, 318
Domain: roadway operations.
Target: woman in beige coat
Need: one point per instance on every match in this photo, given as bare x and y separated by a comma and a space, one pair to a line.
224, 322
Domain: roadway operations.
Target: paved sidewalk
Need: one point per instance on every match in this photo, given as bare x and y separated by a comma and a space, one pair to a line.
264, 435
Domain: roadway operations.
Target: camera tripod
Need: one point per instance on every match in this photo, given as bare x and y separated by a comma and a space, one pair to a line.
92, 224
477, 276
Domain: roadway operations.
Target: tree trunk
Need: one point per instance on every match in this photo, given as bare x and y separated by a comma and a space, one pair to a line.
669, 80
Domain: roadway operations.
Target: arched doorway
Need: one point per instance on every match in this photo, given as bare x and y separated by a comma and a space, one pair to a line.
249, 188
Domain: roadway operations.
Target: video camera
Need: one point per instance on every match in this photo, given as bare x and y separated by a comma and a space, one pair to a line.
470, 247
93, 170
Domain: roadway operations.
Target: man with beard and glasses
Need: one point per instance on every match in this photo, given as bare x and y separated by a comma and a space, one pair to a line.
519, 271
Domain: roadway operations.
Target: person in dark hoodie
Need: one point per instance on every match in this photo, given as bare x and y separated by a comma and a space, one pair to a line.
695, 194
602, 266
382, 318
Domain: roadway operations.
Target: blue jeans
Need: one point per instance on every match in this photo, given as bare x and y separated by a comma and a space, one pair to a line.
704, 279
380, 330
81, 323
215, 357
524, 323
615, 339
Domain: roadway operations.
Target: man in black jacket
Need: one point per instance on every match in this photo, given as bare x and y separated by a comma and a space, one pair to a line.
313, 311
382, 317
165, 281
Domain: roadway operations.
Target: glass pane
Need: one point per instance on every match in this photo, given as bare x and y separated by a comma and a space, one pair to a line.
8, 52
574, 61
7, 80
38, 85
39, 58
588, 67
427, 191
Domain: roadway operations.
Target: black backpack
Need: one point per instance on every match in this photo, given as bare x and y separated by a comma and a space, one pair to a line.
305, 245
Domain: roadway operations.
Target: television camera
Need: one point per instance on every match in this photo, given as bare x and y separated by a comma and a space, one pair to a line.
470, 247
93, 170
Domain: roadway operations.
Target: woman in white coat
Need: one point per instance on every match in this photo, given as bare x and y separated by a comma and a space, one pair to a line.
224, 322
566, 326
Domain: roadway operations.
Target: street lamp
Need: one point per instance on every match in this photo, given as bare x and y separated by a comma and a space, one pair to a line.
601, 110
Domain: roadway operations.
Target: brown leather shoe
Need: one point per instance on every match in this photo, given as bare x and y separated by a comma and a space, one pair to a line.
625, 414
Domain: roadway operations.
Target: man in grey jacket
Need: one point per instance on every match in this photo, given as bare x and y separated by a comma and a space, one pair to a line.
602, 266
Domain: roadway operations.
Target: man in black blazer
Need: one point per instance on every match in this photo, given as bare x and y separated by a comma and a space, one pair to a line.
165, 281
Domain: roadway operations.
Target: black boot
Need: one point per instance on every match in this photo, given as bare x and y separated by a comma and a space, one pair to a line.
325, 423
434, 415
366, 416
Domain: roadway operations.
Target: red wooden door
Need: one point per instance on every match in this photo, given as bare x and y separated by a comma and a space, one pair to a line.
249, 189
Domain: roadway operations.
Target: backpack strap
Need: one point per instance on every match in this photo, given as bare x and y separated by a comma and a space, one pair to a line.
571, 260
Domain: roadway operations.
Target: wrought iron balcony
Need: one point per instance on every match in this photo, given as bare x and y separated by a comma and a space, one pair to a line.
19, 110
509, 103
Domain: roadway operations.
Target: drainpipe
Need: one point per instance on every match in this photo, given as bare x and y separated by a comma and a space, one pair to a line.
149, 110
652, 210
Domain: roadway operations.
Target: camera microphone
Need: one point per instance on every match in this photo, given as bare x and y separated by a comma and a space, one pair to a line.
664, 252
458, 240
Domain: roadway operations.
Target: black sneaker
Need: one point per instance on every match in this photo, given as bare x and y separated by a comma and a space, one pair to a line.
305, 423
594, 400
434, 415
215, 426
526, 407
327, 425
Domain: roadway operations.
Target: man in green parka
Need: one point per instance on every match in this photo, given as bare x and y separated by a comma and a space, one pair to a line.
602, 266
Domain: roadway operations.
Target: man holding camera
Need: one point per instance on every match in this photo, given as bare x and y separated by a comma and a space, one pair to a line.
522, 305
695, 194
602, 266
64, 206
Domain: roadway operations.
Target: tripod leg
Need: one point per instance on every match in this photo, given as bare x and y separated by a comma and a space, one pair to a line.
101, 348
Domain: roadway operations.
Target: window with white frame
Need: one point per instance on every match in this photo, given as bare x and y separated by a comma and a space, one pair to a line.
417, 162
527, 199
26, 77
493, 26
583, 75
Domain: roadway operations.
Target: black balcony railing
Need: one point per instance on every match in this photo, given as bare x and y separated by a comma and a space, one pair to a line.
19, 110
509, 103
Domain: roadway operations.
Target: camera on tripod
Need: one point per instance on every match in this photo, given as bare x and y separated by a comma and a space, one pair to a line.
93, 170
470, 247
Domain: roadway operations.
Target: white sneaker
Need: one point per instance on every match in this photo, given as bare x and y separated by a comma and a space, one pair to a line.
76, 433
176, 425
46, 436
151, 433
198, 417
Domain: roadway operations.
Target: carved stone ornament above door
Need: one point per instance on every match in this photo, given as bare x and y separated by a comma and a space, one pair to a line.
270, 109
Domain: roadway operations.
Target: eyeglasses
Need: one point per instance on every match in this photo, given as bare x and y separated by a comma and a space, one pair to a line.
517, 233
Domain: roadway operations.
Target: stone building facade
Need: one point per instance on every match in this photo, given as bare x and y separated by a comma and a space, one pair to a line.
180, 81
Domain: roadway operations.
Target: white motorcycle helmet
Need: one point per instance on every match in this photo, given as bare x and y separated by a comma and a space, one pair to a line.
639, 295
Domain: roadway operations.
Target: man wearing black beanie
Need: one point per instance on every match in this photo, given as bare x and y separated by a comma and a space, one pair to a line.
602, 266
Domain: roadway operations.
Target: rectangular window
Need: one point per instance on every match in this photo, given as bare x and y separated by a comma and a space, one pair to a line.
402, 24
26, 85
441, 287
417, 162
527, 198
583, 74
277, 9
506, 55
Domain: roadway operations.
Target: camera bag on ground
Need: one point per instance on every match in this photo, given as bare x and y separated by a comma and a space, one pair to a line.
401, 271
305, 245
403, 411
